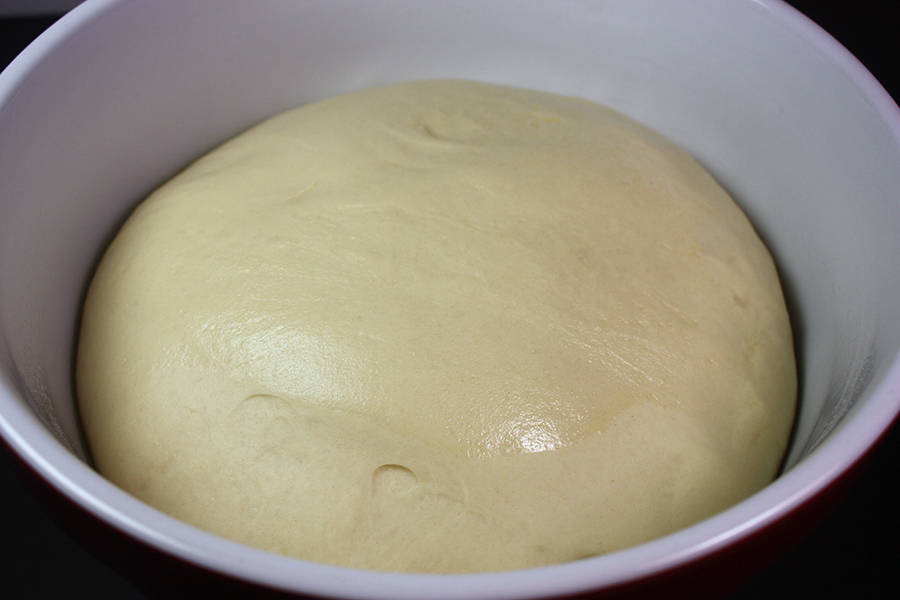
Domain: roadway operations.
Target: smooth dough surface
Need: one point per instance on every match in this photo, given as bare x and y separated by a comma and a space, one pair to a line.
439, 326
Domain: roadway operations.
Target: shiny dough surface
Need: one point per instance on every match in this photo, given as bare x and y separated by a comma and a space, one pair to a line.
440, 326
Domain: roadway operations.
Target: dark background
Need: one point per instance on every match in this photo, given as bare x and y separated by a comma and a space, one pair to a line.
854, 554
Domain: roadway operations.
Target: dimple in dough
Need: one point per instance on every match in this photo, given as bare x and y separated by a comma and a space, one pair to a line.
440, 326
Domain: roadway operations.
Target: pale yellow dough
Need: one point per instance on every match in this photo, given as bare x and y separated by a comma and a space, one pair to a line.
439, 326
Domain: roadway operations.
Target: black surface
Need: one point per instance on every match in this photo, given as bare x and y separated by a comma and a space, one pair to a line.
854, 554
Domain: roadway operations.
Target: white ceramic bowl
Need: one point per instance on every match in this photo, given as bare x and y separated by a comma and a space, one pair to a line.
119, 94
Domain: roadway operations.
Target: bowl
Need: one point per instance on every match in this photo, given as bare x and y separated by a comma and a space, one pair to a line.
120, 94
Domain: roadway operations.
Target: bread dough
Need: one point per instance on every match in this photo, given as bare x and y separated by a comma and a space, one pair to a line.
440, 326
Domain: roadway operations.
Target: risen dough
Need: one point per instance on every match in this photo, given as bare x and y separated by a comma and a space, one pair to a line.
439, 326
